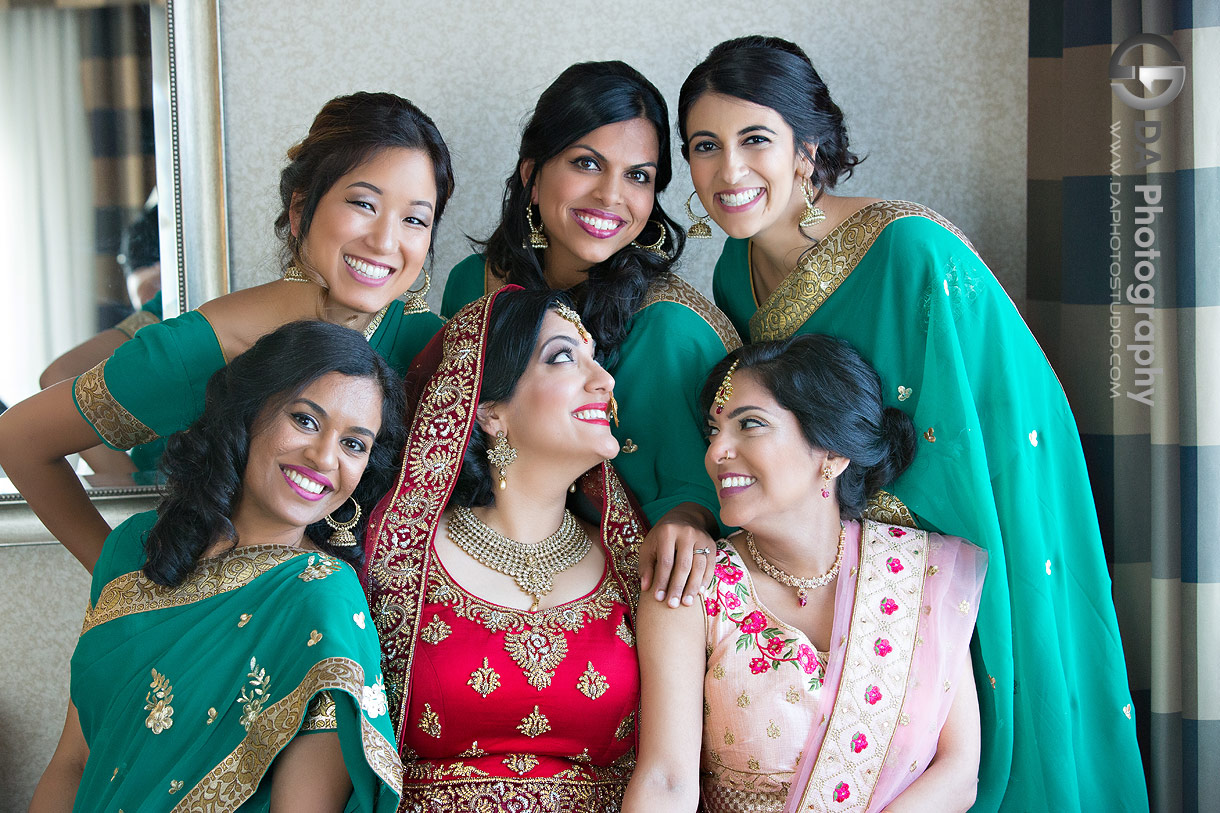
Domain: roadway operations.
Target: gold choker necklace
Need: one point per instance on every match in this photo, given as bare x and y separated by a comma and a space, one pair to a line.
533, 566
802, 585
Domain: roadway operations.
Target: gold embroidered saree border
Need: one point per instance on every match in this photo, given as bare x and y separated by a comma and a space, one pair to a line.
236, 777
130, 326
133, 593
822, 271
110, 419
721, 799
537, 795
873, 686
887, 509
678, 290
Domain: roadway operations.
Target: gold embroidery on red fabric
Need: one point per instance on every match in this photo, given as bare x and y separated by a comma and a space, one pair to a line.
435, 631
105, 414
592, 684
624, 632
521, 764
625, 727
430, 722
484, 680
534, 724
537, 795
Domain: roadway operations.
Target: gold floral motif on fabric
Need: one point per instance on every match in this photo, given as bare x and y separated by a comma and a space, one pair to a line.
430, 722
592, 684
235, 779
435, 631
624, 632
538, 652
157, 704
625, 727
134, 593
105, 414
320, 716
521, 764
820, 272
254, 694
484, 680
678, 290
720, 799
473, 751
887, 509
319, 569
541, 795
534, 724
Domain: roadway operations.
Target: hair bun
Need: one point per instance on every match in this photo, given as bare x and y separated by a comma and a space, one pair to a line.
898, 439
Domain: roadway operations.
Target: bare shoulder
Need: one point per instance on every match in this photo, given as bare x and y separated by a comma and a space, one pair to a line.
241, 317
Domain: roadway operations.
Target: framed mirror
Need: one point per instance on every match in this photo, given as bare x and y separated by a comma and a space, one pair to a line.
112, 131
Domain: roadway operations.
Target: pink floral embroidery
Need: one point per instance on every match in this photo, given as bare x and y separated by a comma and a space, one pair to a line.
882, 647
859, 742
842, 791
807, 658
873, 695
768, 644
729, 574
894, 564
754, 622
897, 532
888, 606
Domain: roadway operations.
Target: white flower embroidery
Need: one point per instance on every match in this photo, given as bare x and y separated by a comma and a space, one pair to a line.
373, 699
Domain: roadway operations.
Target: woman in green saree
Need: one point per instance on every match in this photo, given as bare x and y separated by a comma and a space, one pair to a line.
1000, 460
581, 214
361, 197
227, 657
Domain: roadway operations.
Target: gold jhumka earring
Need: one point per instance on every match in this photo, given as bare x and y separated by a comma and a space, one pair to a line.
812, 215
699, 228
343, 536
537, 237
417, 301
657, 248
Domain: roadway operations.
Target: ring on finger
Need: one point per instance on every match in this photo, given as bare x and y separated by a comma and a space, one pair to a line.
702, 550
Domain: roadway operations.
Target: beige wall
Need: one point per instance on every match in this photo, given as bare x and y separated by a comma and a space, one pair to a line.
934, 92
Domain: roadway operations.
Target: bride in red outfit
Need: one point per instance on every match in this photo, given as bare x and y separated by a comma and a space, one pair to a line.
502, 572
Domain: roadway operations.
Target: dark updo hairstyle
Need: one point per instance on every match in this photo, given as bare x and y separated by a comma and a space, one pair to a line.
835, 396
347, 132
776, 73
512, 332
585, 97
206, 465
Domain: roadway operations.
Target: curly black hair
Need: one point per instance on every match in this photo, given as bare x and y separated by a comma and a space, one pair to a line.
205, 466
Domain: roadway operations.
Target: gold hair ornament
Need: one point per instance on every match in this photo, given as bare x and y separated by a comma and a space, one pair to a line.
726, 388
572, 316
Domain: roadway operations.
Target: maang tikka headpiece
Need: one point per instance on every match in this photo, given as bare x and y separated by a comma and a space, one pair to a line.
572, 316
726, 388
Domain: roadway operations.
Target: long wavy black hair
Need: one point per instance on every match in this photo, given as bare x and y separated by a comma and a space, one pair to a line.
835, 396
776, 73
512, 332
584, 97
206, 465
347, 132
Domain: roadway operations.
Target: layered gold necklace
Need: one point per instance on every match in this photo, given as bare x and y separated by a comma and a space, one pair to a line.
803, 586
532, 566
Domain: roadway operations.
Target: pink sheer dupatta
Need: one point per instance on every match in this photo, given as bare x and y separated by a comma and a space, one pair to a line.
905, 607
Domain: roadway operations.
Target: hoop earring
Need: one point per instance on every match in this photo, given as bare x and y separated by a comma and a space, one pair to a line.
699, 229
501, 455
417, 301
656, 248
812, 215
343, 536
537, 237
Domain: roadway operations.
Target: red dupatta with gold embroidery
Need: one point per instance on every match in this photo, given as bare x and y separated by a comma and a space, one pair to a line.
448, 376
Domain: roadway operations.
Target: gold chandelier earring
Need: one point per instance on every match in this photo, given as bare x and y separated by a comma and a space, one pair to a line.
537, 237
657, 248
698, 228
501, 455
417, 301
343, 536
812, 215
294, 274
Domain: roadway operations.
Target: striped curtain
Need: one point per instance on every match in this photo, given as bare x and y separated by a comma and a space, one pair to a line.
1123, 292
116, 73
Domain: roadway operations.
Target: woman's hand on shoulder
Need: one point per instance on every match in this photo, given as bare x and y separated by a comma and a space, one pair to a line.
677, 554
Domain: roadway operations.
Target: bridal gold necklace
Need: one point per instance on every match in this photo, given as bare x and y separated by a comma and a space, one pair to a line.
802, 585
532, 566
